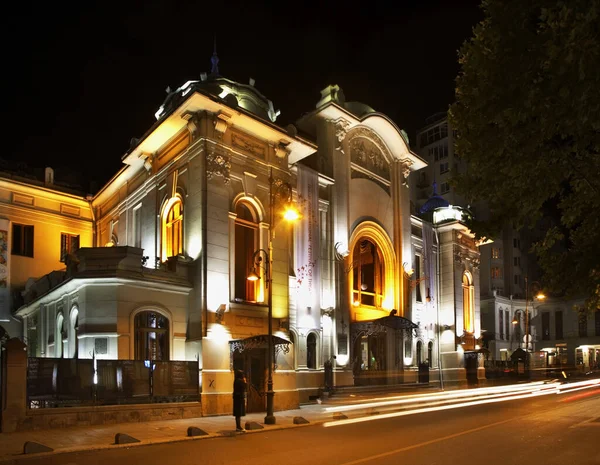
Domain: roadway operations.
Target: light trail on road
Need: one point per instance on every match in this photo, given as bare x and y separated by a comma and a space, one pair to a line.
463, 399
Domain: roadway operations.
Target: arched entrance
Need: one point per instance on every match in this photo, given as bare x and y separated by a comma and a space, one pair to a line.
377, 350
250, 356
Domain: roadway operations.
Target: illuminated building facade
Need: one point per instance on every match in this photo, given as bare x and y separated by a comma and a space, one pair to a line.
41, 223
183, 225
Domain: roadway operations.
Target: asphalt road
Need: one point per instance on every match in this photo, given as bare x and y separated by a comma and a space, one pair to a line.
556, 429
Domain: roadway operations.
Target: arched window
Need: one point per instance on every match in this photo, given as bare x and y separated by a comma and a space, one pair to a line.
419, 352
74, 345
311, 351
293, 341
246, 243
151, 336
468, 302
430, 353
172, 228
368, 274
61, 336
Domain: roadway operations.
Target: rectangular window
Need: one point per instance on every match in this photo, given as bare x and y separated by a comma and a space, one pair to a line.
22, 240
501, 324
137, 226
517, 261
496, 272
69, 244
582, 323
558, 324
445, 188
517, 243
417, 277
517, 279
546, 326
507, 324
444, 167
597, 323
495, 252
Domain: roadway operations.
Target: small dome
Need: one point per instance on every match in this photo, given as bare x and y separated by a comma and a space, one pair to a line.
358, 109
435, 201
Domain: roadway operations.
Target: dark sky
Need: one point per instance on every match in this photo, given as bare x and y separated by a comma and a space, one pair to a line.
83, 78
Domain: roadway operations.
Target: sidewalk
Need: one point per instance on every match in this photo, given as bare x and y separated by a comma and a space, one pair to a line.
152, 432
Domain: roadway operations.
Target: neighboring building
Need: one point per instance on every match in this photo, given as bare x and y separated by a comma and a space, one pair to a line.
506, 264
567, 334
358, 282
41, 223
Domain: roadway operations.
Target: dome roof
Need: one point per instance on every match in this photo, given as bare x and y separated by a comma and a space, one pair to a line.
359, 109
233, 93
435, 201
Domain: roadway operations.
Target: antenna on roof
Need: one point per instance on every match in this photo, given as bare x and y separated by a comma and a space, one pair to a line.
215, 60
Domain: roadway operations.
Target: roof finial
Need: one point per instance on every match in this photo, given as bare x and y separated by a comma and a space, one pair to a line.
435, 188
215, 60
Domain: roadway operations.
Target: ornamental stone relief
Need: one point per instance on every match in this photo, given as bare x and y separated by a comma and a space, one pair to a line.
470, 259
406, 164
369, 151
341, 129
217, 165
366, 154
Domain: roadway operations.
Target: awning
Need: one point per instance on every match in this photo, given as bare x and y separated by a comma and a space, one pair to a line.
396, 322
259, 342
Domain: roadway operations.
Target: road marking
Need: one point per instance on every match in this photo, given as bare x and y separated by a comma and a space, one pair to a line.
426, 443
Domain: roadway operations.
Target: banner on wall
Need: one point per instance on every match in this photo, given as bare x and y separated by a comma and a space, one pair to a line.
4, 272
307, 243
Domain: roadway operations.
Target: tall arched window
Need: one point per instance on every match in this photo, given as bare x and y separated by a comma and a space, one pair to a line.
430, 353
311, 351
368, 274
246, 243
151, 336
419, 352
468, 302
293, 341
172, 228
61, 335
74, 342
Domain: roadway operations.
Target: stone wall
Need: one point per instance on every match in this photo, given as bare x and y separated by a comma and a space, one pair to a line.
39, 419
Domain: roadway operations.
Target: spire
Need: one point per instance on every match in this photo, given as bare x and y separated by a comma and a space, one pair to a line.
215, 60
434, 188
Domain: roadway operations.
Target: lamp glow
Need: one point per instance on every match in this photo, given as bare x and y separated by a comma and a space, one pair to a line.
291, 214
252, 276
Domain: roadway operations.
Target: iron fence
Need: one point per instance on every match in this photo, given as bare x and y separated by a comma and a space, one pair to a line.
57, 382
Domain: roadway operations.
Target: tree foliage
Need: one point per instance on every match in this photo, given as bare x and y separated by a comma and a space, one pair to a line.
527, 116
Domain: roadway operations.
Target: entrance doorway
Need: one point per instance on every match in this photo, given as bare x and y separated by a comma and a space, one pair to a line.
252, 363
471, 367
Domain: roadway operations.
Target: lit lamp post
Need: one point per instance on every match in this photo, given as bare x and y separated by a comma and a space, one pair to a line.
540, 296
276, 190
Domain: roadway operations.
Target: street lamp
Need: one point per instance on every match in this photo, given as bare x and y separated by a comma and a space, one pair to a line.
540, 296
277, 190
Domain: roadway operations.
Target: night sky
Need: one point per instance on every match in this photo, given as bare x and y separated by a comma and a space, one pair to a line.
83, 78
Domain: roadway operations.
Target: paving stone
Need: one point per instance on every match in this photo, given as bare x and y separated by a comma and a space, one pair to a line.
300, 421
31, 447
121, 438
252, 425
194, 431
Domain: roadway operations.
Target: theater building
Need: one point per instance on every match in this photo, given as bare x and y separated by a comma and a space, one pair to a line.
361, 289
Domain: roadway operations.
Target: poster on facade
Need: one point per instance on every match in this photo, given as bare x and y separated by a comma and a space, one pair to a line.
4, 272
307, 243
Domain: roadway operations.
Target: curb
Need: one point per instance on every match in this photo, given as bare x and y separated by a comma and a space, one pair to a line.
151, 442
